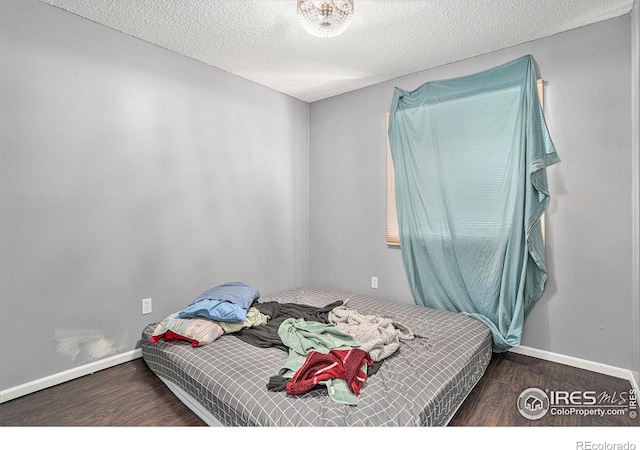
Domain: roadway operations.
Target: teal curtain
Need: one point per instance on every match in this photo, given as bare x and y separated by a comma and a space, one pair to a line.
470, 157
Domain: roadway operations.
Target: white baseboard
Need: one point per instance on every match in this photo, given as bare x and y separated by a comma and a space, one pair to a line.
67, 375
613, 371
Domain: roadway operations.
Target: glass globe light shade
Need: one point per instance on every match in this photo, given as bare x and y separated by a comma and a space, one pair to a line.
325, 18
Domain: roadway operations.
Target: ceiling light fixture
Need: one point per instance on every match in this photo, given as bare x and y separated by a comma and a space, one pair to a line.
325, 18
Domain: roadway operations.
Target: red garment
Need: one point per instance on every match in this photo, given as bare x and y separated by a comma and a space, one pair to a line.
342, 364
171, 336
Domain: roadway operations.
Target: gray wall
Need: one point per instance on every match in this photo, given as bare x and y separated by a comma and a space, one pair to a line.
635, 120
587, 308
127, 172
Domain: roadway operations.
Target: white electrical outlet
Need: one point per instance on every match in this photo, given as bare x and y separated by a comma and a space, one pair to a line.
374, 282
146, 306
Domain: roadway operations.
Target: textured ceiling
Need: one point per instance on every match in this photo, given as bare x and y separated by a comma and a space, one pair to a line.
262, 40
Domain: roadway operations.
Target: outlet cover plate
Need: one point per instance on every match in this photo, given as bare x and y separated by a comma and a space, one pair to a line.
146, 306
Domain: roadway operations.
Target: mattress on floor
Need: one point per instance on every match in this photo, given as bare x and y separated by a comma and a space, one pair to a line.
422, 384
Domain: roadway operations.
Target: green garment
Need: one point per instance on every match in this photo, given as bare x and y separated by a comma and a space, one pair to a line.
303, 337
254, 318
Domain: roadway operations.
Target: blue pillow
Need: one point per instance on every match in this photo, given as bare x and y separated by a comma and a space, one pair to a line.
227, 302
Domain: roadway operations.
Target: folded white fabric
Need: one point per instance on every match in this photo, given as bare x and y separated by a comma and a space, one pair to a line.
379, 336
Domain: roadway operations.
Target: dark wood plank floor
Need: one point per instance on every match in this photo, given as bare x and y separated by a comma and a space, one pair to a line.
127, 395
130, 395
493, 402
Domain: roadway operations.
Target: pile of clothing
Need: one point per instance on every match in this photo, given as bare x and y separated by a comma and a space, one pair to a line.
333, 346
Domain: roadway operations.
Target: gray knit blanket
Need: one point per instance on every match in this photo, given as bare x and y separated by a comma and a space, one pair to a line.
379, 336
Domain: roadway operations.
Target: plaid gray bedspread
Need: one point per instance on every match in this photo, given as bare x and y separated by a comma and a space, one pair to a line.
422, 384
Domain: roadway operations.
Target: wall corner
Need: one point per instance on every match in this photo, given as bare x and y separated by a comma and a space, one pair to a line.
635, 194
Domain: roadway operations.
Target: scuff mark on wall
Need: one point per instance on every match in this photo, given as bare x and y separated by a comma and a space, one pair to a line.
100, 348
90, 343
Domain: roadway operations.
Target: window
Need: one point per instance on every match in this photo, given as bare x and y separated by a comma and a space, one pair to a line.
393, 232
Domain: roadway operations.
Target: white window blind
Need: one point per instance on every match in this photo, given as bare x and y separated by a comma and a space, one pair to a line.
393, 234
